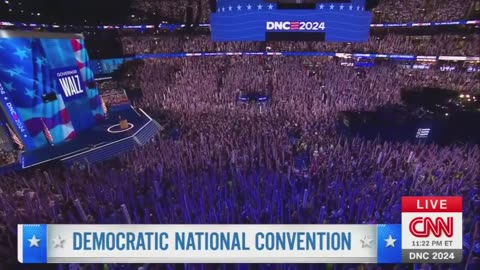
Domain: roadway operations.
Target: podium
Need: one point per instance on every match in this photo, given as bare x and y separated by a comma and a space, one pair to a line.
123, 124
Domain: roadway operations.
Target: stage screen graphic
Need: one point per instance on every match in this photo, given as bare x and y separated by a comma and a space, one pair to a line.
258, 20
43, 65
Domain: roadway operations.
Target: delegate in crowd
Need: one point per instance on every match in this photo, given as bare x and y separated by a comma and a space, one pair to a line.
222, 162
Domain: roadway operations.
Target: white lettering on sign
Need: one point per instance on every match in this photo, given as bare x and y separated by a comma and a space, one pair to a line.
432, 204
15, 117
296, 26
71, 85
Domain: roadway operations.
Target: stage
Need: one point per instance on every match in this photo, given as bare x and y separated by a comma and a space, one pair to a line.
60, 103
101, 142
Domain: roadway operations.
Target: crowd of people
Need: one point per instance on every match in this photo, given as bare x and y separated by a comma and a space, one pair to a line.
422, 10
114, 96
282, 162
220, 161
386, 11
174, 10
7, 157
7, 153
440, 44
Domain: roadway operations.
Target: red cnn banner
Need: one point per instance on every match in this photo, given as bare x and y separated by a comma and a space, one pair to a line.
432, 229
432, 204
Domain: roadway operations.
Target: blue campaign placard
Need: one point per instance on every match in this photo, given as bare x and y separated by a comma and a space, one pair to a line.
69, 83
34, 244
389, 243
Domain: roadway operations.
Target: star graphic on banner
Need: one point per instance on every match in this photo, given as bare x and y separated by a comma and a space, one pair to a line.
341, 7
22, 54
229, 8
20, 70
223, 8
35, 81
350, 7
40, 61
259, 6
30, 93
366, 242
249, 7
5, 98
270, 6
34, 241
358, 8
390, 242
332, 6
321, 6
9, 87
12, 72
58, 242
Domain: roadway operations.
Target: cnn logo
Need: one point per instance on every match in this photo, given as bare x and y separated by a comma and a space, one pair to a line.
425, 226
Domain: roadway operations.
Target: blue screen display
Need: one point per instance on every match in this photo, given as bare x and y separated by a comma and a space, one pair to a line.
32, 68
107, 66
237, 20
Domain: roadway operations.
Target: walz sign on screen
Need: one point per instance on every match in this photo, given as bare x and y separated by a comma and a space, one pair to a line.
69, 83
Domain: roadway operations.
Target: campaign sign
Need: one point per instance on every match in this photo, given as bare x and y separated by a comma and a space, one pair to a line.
69, 83
431, 229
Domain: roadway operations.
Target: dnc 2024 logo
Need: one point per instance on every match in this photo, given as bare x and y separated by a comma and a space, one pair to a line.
12, 111
295, 26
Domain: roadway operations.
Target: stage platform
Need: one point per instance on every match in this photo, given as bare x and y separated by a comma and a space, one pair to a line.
102, 142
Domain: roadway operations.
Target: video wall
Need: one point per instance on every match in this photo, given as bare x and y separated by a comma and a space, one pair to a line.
46, 85
259, 20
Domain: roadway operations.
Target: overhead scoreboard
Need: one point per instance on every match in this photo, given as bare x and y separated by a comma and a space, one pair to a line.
259, 20
431, 232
